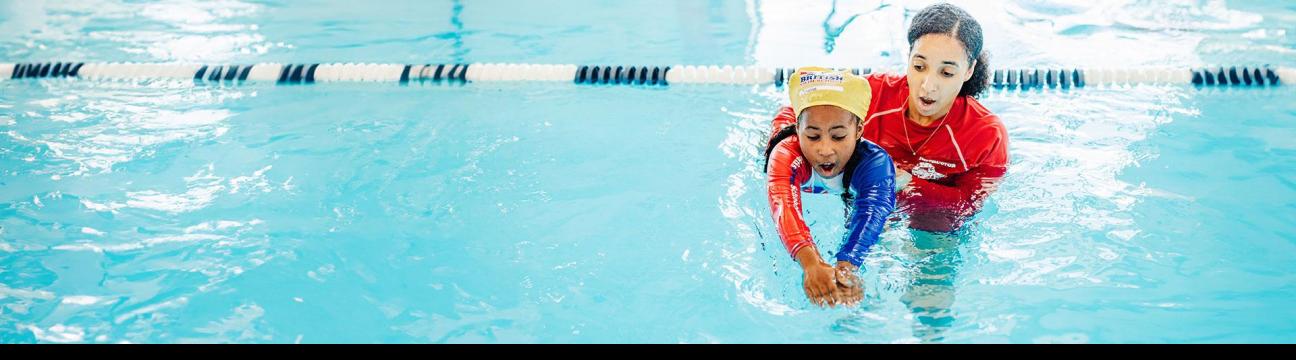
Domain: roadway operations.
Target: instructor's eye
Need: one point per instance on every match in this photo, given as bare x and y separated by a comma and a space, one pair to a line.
813, 137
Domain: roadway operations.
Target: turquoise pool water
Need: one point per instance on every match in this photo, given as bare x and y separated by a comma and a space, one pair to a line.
156, 211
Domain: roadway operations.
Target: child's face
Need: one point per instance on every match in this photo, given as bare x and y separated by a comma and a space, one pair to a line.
827, 135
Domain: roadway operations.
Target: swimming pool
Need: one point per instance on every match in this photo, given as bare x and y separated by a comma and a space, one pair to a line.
160, 211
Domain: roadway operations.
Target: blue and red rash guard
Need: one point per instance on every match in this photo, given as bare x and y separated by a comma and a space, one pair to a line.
869, 177
955, 164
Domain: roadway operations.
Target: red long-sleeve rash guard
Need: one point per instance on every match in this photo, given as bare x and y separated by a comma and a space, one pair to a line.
955, 162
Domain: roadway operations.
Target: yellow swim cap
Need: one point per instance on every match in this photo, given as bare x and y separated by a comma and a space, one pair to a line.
811, 86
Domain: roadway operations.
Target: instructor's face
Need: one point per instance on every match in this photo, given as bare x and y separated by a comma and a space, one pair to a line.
827, 135
938, 66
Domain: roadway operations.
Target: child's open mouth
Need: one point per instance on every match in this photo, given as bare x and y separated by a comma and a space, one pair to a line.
827, 167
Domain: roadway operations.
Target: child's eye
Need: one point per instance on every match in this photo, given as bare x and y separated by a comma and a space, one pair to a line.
918, 67
839, 138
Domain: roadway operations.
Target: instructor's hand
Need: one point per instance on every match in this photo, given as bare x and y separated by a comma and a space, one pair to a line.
850, 289
902, 179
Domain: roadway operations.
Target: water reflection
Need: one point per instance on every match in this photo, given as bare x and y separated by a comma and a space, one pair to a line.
834, 29
167, 31
930, 292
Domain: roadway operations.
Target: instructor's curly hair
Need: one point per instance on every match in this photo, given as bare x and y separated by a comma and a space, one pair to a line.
953, 21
